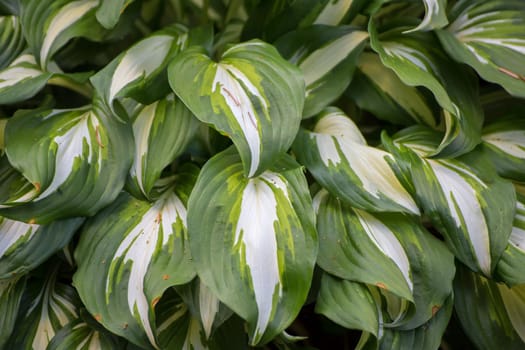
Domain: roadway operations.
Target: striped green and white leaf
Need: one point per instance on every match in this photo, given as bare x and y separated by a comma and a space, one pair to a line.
251, 95
464, 198
25, 246
337, 155
109, 12
490, 37
435, 16
162, 130
11, 291
379, 90
15, 189
511, 266
85, 334
500, 318
128, 255
50, 24
504, 142
76, 159
327, 57
12, 41
140, 71
410, 266
417, 60
253, 240
47, 306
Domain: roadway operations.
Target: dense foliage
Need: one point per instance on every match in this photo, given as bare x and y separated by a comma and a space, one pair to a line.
285, 174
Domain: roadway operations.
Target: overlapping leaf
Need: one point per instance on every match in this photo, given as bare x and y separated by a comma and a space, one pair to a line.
327, 57
336, 154
490, 37
253, 240
435, 16
128, 255
109, 11
12, 41
465, 199
252, 95
162, 131
11, 291
418, 61
390, 251
25, 246
76, 160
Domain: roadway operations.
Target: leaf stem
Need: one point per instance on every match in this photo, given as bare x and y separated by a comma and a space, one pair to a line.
84, 89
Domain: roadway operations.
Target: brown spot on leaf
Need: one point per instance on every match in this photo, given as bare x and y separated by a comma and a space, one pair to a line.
155, 301
511, 74
381, 285
98, 317
37, 186
435, 309
165, 277
125, 326
32, 221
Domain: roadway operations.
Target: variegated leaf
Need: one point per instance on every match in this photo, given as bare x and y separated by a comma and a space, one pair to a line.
162, 131
464, 198
12, 41
85, 334
76, 159
500, 318
140, 71
253, 240
504, 142
11, 291
110, 11
336, 154
128, 255
409, 265
490, 37
327, 57
47, 306
25, 246
511, 266
252, 95
417, 60
50, 24
435, 16
378, 89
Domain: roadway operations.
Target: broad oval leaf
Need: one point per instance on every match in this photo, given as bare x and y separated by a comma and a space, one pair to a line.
128, 255
76, 159
50, 24
109, 12
252, 95
140, 71
11, 291
407, 261
253, 240
418, 61
327, 57
162, 131
336, 154
464, 198
490, 37
502, 307
378, 89
25, 246
12, 41
47, 306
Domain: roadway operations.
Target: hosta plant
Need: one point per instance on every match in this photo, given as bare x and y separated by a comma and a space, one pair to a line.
277, 174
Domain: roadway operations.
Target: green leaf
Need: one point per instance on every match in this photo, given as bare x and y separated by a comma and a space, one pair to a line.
140, 71
504, 143
109, 12
25, 246
252, 95
12, 41
336, 154
511, 266
490, 326
348, 304
76, 159
11, 291
378, 89
50, 24
435, 16
418, 61
327, 57
128, 255
490, 37
253, 240
407, 261
162, 132
464, 198
47, 306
